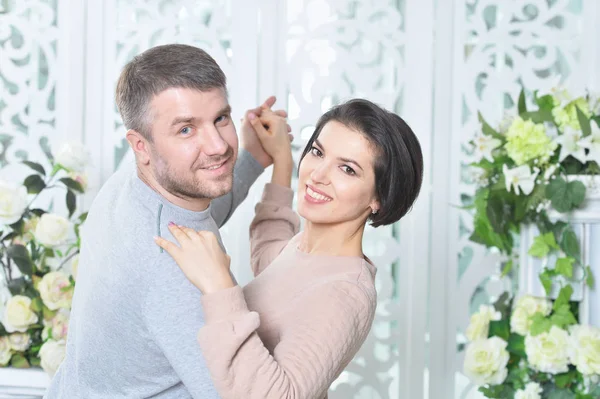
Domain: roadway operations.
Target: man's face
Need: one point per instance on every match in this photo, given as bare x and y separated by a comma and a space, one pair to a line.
194, 142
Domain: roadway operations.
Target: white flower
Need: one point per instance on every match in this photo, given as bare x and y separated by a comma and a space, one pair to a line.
19, 341
52, 230
479, 326
526, 307
58, 327
592, 143
585, 349
519, 178
52, 354
75, 266
571, 144
73, 157
549, 172
13, 202
485, 144
532, 390
80, 178
5, 351
55, 290
548, 352
486, 360
18, 315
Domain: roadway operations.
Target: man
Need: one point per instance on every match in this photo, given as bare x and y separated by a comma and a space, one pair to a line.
135, 316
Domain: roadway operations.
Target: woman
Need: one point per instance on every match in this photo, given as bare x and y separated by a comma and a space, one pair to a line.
291, 331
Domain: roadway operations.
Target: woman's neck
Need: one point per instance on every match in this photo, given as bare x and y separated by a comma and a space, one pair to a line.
336, 240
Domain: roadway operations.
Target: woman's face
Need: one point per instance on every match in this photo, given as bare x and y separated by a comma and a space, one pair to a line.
337, 178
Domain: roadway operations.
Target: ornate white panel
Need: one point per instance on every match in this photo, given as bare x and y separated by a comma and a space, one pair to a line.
500, 46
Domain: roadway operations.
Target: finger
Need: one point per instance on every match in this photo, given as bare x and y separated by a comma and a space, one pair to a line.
179, 234
291, 136
269, 102
282, 113
289, 128
257, 125
168, 246
191, 233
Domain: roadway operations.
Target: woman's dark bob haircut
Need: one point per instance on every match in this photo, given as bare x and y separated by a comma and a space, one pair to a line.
398, 159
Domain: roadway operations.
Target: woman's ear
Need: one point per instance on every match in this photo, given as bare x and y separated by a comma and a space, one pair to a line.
375, 206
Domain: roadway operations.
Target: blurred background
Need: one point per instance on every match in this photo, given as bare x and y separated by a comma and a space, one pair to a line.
437, 63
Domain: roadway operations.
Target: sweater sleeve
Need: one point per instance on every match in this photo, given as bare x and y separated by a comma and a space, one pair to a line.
330, 325
274, 224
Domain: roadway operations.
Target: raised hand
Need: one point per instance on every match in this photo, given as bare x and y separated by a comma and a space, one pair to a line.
248, 138
272, 131
200, 257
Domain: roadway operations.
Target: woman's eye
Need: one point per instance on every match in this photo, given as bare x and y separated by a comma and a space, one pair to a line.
186, 130
348, 170
316, 152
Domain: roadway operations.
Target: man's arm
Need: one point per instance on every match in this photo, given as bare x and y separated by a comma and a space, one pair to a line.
173, 315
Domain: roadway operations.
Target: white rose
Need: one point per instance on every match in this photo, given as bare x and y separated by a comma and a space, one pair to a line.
585, 349
527, 306
19, 341
54, 292
18, 315
58, 327
486, 360
52, 230
532, 390
5, 353
548, 352
479, 327
72, 156
52, 354
75, 266
13, 202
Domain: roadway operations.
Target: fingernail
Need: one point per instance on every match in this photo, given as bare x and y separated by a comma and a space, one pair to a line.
171, 224
251, 116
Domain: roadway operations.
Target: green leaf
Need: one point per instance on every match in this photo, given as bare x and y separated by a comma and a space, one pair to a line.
37, 305
488, 130
540, 116
499, 328
507, 268
17, 286
20, 255
34, 184
36, 166
584, 123
570, 245
37, 212
35, 361
564, 266
82, 218
563, 317
545, 102
564, 296
71, 202
542, 244
516, 345
589, 277
576, 190
72, 184
540, 324
565, 379
522, 105
495, 214
561, 394
546, 280
18, 361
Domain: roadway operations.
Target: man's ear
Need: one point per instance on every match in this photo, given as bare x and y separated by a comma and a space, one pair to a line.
140, 146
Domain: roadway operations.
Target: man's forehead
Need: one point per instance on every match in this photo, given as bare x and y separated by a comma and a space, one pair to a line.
183, 101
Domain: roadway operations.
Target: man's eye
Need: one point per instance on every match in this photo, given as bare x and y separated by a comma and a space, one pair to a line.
186, 130
222, 120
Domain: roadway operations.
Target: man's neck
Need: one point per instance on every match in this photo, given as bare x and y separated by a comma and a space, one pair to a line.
191, 204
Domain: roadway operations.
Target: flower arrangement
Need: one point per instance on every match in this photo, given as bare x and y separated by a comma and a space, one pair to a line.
530, 347
37, 247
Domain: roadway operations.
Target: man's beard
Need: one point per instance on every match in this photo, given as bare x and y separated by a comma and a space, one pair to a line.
189, 185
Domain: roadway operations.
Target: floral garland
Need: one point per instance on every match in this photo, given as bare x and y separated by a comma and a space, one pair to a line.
36, 246
533, 348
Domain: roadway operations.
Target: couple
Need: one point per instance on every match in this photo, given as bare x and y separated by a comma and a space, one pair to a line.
156, 312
